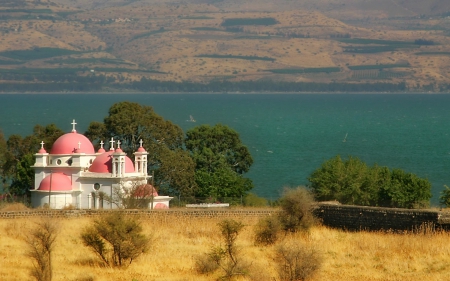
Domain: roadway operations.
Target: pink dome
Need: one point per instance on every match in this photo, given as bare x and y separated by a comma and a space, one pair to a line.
141, 149
145, 191
103, 163
68, 143
42, 151
101, 150
59, 182
160, 206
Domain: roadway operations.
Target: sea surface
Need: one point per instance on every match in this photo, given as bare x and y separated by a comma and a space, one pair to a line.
289, 135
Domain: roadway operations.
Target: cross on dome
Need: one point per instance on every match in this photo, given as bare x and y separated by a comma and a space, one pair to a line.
140, 143
118, 144
112, 144
101, 144
42, 144
73, 126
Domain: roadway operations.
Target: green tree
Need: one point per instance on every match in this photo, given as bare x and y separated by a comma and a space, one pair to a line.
19, 157
352, 182
444, 199
131, 122
221, 160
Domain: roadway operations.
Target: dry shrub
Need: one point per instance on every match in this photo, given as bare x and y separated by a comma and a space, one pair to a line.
7, 207
205, 263
267, 230
297, 261
40, 241
69, 207
117, 240
296, 205
228, 258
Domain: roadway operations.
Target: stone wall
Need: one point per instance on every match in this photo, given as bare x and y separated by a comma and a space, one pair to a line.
336, 216
143, 213
375, 218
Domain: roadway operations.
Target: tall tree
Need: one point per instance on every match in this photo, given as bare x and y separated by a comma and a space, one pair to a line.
221, 160
19, 157
131, 122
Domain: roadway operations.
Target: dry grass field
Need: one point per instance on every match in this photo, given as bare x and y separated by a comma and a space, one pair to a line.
177, 242
189, 42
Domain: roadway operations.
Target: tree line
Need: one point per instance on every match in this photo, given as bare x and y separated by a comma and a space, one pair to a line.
210, 162
207, 161
101, 83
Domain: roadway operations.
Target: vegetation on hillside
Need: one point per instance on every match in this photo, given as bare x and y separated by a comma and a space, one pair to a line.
199, 44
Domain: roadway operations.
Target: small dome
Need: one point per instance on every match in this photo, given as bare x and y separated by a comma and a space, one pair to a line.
119, 150
101, 150
103, 163
160, 206
68, 143
145, 191
42, 151
56, 182
141, 149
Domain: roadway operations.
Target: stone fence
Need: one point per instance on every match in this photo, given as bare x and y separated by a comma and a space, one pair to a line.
376, 218
332, 215
192, 213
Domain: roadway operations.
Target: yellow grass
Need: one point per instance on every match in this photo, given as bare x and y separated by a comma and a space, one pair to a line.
178, 241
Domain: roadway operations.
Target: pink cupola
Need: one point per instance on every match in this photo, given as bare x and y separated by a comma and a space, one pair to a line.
140, 159
72, 143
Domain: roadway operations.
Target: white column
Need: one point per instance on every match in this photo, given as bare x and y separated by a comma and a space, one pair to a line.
89, 201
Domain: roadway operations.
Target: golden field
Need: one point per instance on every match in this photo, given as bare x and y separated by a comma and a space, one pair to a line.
173, 39
176, 242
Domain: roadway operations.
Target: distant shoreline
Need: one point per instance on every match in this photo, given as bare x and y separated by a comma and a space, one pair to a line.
224, 93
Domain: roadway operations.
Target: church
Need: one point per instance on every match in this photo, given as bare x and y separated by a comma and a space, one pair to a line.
74, 175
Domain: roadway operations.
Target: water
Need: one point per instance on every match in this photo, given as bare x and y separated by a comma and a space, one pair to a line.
289, 135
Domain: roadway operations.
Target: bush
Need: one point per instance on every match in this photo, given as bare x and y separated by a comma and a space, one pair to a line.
297, 261
296, 205
117, 240
266, 231
227, 258
252, 200
40, 243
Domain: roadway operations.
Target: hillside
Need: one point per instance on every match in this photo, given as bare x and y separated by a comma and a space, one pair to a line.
321, 41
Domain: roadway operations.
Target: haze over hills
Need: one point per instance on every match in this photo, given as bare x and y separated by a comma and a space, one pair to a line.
323, 41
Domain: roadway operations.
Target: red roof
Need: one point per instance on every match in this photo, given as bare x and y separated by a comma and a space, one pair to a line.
68, 144
145, 191
103, 163
56, 182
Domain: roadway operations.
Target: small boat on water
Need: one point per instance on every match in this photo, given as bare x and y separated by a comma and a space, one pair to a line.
191, 119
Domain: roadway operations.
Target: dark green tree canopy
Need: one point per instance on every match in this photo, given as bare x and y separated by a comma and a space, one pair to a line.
210, 146
18, 157
220, 159
131, 122
352, 182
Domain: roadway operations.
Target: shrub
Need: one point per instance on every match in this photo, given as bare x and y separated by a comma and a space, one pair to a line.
116, 239
297, 261
227, 258
252, 200
40, 243
296, 205
266, 231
